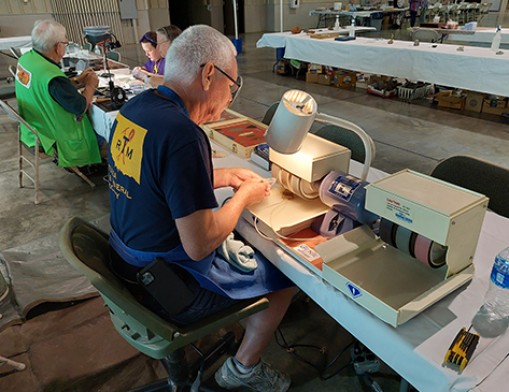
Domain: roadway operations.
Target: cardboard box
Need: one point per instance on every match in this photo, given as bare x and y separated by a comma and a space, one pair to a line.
474, 101
446, 99
495, 106
362, 80
318, 68
382, 86
324, 79
345, 79
312, 77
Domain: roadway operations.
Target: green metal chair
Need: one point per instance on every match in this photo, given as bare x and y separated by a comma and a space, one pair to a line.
113, 55
270, 113
25, 154
86, 248
479, 176
346, 138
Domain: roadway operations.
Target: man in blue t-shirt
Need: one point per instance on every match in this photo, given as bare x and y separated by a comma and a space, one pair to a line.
163, 205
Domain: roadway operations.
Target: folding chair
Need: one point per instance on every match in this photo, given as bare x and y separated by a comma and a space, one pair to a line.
479, 176
38, 153
4, 292
86, 248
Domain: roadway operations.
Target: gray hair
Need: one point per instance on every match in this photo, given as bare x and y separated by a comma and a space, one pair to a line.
197, 45
46, 34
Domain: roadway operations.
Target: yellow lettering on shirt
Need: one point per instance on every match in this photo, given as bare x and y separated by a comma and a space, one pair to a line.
127, 147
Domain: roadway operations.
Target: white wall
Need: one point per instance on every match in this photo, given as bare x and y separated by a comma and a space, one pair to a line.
15, 25
293, 17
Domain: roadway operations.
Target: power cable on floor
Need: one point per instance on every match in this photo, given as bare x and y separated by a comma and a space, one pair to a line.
292, 349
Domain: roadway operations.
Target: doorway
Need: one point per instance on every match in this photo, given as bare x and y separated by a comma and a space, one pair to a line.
188, 13
229, 24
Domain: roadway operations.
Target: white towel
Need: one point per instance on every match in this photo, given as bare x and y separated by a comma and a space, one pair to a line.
238, 254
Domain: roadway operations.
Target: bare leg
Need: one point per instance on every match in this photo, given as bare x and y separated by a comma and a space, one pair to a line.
261, 326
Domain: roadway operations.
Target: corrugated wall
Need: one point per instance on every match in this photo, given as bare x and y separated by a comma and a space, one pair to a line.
77, 14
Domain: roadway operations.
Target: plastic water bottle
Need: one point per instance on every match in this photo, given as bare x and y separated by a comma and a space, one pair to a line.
493, 317
351, 33
497, 38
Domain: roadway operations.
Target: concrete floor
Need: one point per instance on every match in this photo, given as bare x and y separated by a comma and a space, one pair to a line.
414, 136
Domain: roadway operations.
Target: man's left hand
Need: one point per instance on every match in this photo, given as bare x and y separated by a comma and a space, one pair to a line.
233, 177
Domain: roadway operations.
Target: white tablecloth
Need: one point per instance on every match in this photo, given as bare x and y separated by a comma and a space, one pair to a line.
476, 69
481, 35
278, 40
15, 42
416, 349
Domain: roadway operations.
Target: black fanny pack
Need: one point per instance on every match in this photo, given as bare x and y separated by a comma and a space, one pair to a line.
169, 285
164, 288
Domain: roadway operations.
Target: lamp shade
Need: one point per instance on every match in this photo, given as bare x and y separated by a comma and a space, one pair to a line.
291, 122
97, 34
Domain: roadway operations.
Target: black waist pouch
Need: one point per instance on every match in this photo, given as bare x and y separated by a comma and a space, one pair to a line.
173, 288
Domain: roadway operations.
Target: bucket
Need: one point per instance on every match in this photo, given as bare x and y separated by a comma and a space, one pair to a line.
237, 42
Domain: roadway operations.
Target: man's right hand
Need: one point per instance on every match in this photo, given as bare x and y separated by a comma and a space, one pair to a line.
92, 80
253, 191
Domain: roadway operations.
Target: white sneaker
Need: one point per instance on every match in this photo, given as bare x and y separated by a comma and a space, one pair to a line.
262, 378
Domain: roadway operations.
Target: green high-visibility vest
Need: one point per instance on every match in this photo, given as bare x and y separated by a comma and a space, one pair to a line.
73, 135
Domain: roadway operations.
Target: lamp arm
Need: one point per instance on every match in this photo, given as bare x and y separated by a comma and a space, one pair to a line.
369, 145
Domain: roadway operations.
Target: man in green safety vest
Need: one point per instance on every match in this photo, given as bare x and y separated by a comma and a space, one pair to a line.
51, 103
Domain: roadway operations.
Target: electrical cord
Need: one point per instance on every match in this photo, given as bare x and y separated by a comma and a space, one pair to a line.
291, 348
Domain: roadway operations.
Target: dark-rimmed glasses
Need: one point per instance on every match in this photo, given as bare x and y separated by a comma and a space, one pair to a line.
235, 87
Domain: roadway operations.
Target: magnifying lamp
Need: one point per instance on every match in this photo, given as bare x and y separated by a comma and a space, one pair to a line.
103, 37
293, 118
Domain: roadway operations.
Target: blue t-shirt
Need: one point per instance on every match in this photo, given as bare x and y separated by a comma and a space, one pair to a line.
160, 170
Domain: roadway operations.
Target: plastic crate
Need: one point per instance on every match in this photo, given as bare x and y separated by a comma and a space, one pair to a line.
410, 93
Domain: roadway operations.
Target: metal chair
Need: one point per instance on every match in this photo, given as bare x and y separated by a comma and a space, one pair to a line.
270, 113
425, 35
4, 293
479, 176
15, 53
12, 70
9, 91
346, 138
86, 248
113, 55
37, 152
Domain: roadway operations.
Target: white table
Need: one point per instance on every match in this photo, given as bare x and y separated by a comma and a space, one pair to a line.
278, 40
482, 35
476, 69
15, 42
416, 349
101, 119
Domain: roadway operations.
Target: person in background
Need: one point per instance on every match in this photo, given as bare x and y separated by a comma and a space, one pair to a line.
414, 6
52, 105
163, 206
424, 11
351, 6
155, 63
165, 36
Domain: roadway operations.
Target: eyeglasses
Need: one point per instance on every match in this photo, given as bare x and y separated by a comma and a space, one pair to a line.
235, 87
66, 43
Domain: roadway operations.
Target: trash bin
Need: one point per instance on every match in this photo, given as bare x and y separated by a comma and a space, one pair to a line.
375, 20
